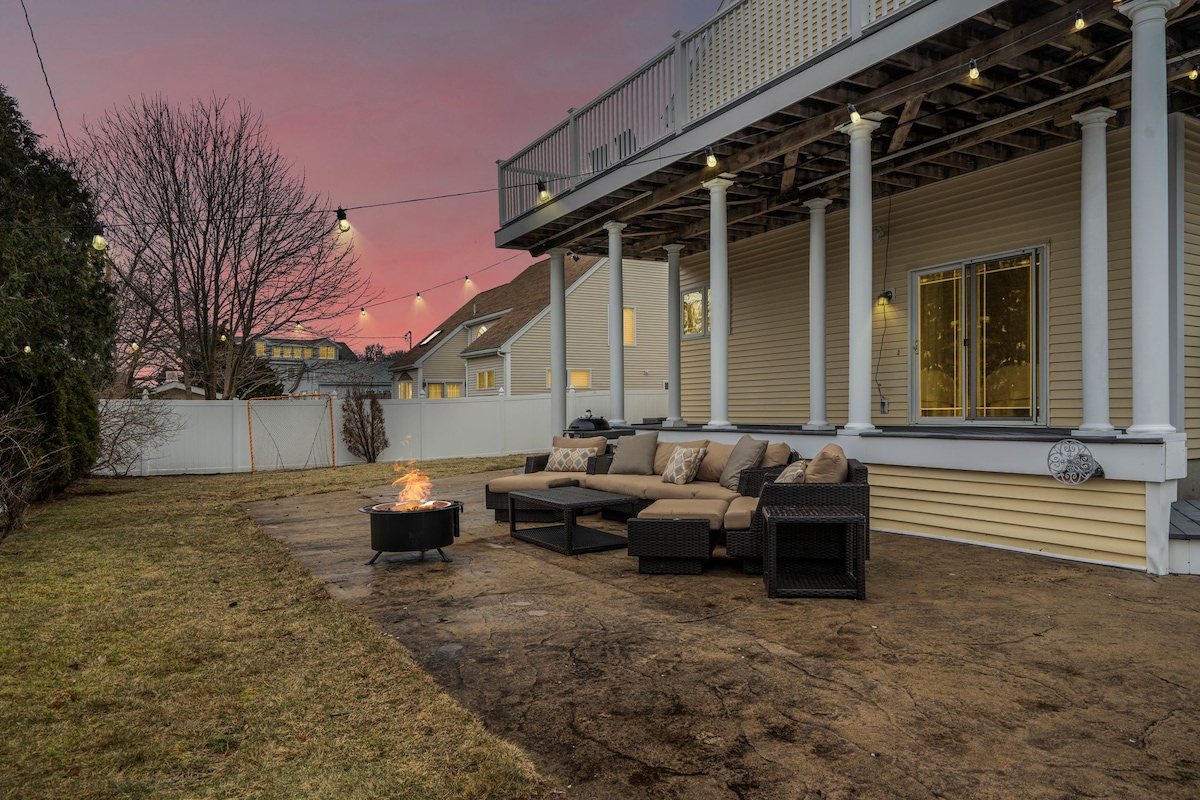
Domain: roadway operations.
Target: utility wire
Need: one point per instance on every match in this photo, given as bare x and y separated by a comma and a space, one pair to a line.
53, 102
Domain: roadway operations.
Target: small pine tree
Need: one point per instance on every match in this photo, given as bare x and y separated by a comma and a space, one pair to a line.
362, 425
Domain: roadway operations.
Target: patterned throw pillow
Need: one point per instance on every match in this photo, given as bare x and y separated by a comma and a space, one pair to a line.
570, 459
682, 465
793, 472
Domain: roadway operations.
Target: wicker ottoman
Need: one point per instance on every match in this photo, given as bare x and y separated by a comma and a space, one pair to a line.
674, 537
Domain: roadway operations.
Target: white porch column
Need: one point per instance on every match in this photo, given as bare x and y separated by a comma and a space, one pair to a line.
718, 289
858, 417
616, 325
1093, 269
558, 342
816, 315
1150, 222
674, 329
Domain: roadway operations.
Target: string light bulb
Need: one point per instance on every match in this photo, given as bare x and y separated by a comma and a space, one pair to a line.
99, 243
224, 337
343, 223
362, 311
973, 70
1079, 23
28, 349
543, 192
1195, 73
133, 346
710, 158
854, 115
418, 295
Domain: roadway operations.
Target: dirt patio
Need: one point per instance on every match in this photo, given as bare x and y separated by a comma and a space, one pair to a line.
966, 673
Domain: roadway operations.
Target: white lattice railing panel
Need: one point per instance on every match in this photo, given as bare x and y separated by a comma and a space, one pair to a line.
747, 46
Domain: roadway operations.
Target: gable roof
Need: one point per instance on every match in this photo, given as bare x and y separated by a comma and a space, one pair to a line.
519, 301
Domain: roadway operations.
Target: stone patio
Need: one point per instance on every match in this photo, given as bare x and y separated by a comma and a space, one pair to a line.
967, 672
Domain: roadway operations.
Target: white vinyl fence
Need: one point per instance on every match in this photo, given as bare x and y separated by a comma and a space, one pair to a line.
214, 435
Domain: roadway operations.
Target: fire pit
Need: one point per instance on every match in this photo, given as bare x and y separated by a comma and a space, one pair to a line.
395, 527
413, 522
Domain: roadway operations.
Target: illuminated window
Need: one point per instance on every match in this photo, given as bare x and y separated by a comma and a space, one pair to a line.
308, 352
480, 331
276, 351
454, 390
404, 390
579, 378
441, 391
260, 349
328, 351
694, 308
429, 338
630, 327
976, 339
485, 379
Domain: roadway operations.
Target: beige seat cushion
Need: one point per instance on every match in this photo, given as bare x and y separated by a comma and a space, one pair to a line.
633, 485
696, 490
533, 480
777, 455
740, 513
714, 462
591, 441
828, 466
711, 510
664, 450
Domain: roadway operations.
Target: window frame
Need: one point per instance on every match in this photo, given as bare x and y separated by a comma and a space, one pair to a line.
1039, 417
480, 383
405, 390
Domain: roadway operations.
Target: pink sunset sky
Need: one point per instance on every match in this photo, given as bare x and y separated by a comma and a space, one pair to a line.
374, 101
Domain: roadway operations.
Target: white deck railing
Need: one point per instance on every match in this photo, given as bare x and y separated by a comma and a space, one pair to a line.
748, 45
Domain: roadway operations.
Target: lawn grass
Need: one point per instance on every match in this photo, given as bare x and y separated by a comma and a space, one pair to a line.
155, 643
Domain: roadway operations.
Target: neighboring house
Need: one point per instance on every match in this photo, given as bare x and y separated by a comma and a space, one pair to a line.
175, 390
312, 364
499, 341
946, 234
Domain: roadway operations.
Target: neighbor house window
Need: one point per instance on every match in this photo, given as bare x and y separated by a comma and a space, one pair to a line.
328, 351
485, 379
480, 331
579, 378
695, 309
404, 390
260, 349
441, 391
977, 340
630, 327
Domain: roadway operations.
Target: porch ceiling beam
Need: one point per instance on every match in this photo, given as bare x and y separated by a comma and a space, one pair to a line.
911, 110
1021, 39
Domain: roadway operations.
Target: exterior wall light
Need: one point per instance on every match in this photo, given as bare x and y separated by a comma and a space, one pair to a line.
885, 298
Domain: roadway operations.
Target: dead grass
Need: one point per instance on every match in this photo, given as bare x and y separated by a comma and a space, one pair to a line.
154, 643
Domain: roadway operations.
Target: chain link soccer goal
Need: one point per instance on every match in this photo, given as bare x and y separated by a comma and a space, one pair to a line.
291, 432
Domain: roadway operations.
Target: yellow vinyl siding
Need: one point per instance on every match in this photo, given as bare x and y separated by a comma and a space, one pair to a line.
1100, 520
445, 364
1191, 285
1029, 202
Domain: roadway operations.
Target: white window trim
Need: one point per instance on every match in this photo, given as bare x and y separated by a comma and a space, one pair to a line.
1042, 382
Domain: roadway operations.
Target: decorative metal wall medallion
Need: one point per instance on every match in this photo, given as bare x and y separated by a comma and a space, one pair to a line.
1071, 462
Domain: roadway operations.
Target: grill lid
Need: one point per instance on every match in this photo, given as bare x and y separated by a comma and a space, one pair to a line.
589, 423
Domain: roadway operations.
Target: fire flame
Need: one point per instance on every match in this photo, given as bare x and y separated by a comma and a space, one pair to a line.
415, 487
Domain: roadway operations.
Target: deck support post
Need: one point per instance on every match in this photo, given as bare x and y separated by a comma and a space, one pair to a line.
858, 403
1093, 270
816, 316
674, 328
558, 342
1150, 243
616, 325
718, 290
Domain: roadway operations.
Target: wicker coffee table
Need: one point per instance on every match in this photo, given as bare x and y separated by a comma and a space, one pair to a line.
570, 537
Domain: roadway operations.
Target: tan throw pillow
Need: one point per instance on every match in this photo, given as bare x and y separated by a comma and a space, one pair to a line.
570, 459
682, 465
746, 455
634, 455
776, 455
591, 441
664, 450
714, 462
793, 472
827, 466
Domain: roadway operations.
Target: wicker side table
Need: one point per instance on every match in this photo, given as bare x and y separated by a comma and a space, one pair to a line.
822, 553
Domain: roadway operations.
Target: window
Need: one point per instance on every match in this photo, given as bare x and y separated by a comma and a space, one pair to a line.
404, 390
485, 379
260, 349
429, 338
328, 351
308, 352
630, 327
276, 351
480, 331
977, 340
696, 311
579, 378
442, 391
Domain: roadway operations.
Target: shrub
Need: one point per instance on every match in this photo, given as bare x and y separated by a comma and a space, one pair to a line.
362, 425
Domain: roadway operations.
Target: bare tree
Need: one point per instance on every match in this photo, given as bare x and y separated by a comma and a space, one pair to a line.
23, 462
363, 426
130, 428
214, 239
